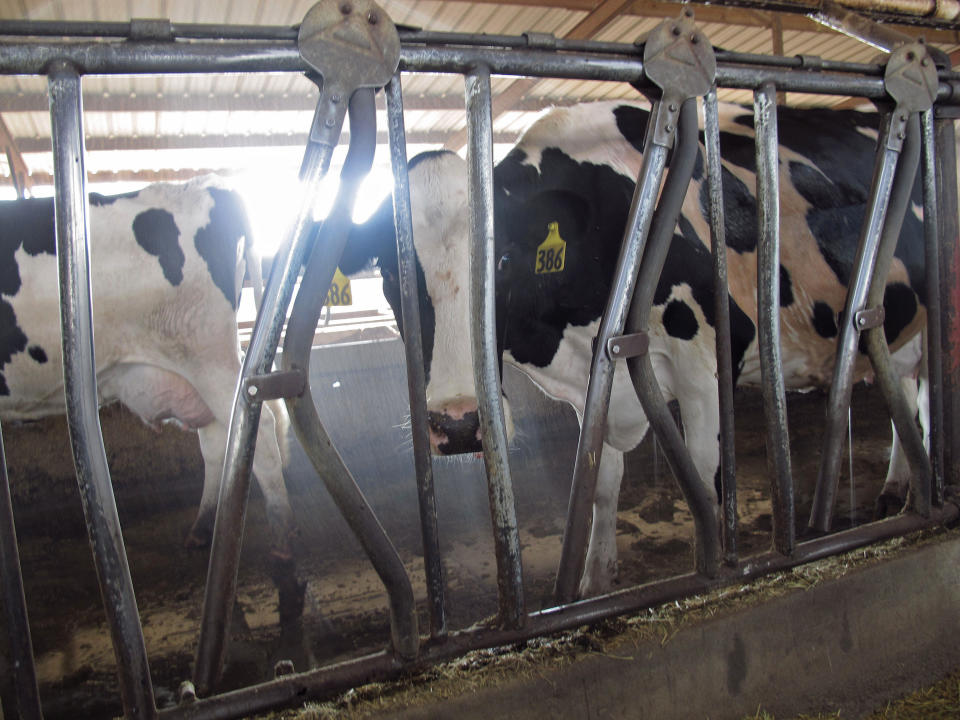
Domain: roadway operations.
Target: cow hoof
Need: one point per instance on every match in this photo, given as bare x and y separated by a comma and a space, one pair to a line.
887, 505
197, 539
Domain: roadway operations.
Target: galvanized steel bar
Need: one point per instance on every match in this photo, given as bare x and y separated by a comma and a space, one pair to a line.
842, 384
593, 423
768, 318
413, 352
80, 387
18, 626
904, 418
483, 342
949, 241
301, 327
931, 231
241, 438
721, 309
701, 498
235, 56
323, 682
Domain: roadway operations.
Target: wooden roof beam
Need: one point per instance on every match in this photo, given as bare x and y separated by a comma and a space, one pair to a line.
19, 173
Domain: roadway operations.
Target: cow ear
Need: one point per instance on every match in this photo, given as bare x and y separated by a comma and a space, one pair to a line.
373, 240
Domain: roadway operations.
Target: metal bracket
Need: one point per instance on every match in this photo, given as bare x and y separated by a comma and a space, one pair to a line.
150, 29
678, 59
541, 41
621, 347
275, 385
870, 318
352, 44
811, 62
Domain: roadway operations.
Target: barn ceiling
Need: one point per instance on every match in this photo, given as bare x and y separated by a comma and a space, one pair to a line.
169, 127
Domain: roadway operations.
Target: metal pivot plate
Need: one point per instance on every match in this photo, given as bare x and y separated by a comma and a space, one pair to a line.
678, 58
352, 43
628, 346
911, 78
870, 318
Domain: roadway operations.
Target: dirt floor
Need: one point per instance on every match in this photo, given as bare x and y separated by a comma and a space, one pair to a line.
157, 480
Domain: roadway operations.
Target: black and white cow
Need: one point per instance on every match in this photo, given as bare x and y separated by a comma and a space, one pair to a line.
573, 174
167, 267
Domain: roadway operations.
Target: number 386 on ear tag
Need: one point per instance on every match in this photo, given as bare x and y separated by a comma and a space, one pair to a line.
551, 253
339, 293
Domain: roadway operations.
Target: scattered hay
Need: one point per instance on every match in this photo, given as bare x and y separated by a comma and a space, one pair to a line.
541, 656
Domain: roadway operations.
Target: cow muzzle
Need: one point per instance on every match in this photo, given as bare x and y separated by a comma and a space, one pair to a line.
455, 427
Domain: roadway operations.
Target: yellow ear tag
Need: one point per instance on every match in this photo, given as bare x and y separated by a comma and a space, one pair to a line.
552, 252
339, 293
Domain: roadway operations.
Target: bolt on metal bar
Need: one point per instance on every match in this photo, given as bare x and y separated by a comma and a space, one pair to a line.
80, 387
483, 337
931, 231
718, 243
241, 438
298, 341
413, 350
590, 445
876, 344
701, 499
842, 383
18, 625
768, 318
945, 161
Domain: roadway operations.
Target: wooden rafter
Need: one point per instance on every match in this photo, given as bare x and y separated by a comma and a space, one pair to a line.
19, 173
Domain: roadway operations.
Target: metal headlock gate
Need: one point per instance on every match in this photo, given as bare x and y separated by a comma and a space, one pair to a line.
349, 48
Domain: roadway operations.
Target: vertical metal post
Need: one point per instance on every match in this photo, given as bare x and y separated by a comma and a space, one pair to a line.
931, 230
842, 383
590, 446
225, 548
949, 237
768, 317
80, 385
18, 626
718, 242
484, 346
413, 348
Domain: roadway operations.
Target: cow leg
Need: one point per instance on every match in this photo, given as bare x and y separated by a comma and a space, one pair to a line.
894, 493
600, 568
268, 468
213, 444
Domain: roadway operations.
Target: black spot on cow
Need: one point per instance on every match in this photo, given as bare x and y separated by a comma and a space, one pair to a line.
27, 225
836, 183
38, 354
632, 124
786, 288
900, 308
98, 200
218, 241
699, 166
739, 212
824, 320
739, 150
156, 232
12, 340
679, 320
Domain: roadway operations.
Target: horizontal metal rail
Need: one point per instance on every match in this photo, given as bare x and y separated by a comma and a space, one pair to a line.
152, 57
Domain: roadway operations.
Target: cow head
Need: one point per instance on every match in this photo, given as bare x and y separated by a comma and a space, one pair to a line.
438, 194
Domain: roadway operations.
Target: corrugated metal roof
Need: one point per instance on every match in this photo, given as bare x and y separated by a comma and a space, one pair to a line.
175, 124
